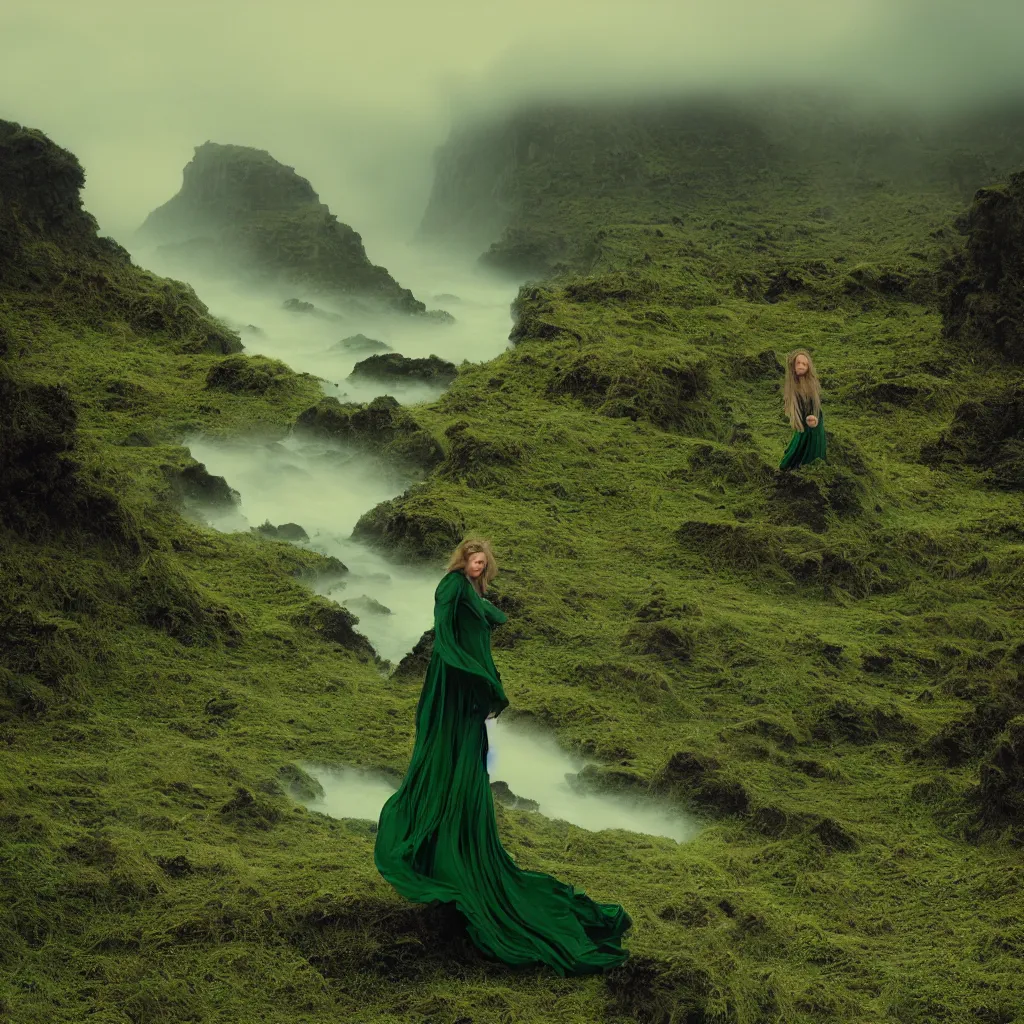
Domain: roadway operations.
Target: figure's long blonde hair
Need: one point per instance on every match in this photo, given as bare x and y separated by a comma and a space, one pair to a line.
461, 555
807, 387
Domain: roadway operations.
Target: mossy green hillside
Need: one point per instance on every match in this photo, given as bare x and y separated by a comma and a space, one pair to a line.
824, 667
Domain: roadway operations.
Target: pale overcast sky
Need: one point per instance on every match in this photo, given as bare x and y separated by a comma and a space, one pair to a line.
357, 95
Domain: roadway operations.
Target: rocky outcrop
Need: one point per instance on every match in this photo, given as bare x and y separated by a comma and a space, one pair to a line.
381, 426
983, 282
241, 212
49, 245
392, 366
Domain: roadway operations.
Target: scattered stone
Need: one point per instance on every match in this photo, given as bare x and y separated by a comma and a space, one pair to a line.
763, 366
833, 836
221, 707
700, 779
414, 664
440, 316
194, 483
382, 426
251, 374
175, 867
420, 525
337, 624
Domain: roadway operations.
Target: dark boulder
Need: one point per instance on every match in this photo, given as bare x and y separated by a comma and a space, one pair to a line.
251, 374
988, 434
982, 283
381, 426
192, 482
392, 366
286, 531
416, 524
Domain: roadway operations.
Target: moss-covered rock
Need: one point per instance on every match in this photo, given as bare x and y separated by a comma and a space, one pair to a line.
381, 426
241, 211
983, 283
671, 393
392, 366
50, 245
988, 434
247, 373
414, 524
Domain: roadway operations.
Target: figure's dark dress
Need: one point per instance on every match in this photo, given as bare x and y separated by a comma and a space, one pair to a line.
438, 837
808, 444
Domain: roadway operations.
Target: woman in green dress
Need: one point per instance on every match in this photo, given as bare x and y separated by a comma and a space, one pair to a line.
802, 402
437, 838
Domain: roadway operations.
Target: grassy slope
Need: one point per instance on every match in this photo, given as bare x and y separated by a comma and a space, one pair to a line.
843, 891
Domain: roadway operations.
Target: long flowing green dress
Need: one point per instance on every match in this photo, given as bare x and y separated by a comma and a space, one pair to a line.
808, 444
437, 838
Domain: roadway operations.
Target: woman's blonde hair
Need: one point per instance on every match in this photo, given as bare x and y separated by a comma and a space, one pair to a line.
462, 554
807, 387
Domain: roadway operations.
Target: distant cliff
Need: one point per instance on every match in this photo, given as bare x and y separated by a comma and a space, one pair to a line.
241, 212
531, 187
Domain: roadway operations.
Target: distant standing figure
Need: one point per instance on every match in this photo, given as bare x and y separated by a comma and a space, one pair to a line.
802, 397
437, 838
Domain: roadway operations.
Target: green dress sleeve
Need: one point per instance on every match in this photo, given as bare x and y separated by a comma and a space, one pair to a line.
495, 616
452, 591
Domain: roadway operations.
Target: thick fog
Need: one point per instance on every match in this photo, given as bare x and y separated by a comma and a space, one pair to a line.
356, 97
534, 767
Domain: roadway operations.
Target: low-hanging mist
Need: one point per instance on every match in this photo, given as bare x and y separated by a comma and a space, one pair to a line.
531, 763
312, 341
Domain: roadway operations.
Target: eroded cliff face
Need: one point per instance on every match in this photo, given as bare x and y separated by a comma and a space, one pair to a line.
526, 187
242, 214
984, 294
49, 246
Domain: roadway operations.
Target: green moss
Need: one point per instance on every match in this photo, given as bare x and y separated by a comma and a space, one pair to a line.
826, 666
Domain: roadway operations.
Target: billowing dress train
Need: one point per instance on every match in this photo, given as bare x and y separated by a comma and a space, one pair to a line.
437, 838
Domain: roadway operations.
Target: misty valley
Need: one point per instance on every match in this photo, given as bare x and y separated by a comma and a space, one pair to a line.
759, 717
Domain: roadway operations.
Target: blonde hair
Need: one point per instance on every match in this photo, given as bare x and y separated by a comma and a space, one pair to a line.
807, 387
462, 554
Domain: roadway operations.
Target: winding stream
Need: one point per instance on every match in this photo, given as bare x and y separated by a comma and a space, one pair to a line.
324, 487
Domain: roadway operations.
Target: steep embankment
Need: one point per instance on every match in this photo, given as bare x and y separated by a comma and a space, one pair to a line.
242, 214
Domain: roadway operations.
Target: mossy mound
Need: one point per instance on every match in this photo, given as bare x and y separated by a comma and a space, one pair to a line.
392, 366
987, 434
414, 524
360, 343
983, 282
241, 211
381, 426
247, 373
49, 248
671, 393
478, 459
